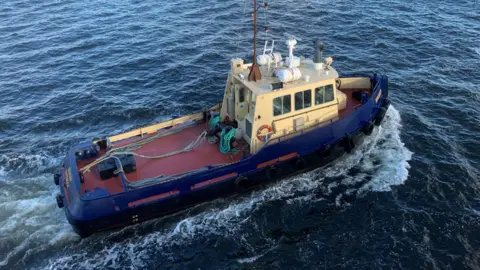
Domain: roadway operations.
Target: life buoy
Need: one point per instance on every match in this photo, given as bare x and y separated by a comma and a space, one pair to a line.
261, 134
380, 115
368, 128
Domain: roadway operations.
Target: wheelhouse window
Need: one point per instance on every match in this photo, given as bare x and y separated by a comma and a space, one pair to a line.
303, 100
324, 94
329, 93
282, 105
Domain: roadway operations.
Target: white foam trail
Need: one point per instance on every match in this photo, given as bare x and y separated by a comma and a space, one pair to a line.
29, 216
249, 259
390, 152
384, 147
25, 164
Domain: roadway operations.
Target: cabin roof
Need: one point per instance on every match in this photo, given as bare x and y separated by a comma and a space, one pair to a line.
263, 86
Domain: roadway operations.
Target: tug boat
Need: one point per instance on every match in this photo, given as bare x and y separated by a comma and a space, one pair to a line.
278, 118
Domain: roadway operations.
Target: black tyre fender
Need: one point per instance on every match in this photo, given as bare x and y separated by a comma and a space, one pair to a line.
368, 128
348, 144
56, 179
300, 163
241, 183
84, 234
386, 103
324, 152
380, 115
59, 201
271, 172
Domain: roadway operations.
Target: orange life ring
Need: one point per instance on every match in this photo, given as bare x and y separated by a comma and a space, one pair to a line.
263, 137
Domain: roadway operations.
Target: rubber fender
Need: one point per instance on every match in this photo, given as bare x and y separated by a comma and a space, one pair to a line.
60, 201
84, 234
241, 183
349, 144
380, 115
327, 153
324, 152
386, 103
300, 164
368, 128
386, 85
271, 172
56, 178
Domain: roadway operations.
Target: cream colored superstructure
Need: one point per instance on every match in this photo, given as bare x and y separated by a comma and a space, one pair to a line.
251, 103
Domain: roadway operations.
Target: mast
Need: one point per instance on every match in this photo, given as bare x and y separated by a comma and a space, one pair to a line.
254, 71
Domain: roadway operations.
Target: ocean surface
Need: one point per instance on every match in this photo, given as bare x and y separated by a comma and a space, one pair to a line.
408, 198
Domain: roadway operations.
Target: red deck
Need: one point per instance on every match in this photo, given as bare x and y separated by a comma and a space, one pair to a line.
206, 154
351, 102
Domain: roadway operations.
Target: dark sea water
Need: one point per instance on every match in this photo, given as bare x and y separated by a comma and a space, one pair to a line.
409, 198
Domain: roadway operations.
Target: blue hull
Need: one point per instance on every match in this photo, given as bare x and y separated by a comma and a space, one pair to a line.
284, 158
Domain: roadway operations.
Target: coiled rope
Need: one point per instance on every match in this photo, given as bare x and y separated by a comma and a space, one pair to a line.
225, 138
214, 120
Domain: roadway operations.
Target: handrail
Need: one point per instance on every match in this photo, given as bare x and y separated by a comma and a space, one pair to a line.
155, 127
278, 139
317, 108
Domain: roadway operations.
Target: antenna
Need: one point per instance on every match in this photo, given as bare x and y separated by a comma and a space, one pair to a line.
255, 71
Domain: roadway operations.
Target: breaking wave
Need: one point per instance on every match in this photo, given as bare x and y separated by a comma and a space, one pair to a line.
380, 162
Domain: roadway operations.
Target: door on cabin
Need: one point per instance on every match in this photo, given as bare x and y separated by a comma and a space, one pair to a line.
241, 102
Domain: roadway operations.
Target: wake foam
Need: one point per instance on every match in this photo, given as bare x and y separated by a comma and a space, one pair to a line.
26, 164
378, 164
30, 221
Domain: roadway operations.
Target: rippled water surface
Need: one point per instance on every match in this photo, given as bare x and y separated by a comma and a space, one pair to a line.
408, 198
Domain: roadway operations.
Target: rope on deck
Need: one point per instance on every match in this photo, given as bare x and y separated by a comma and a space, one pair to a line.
225, 138
129, 148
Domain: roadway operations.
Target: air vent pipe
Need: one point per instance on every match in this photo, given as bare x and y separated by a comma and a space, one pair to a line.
317, 59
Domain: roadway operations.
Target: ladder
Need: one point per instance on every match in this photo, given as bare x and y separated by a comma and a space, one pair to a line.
268, 50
